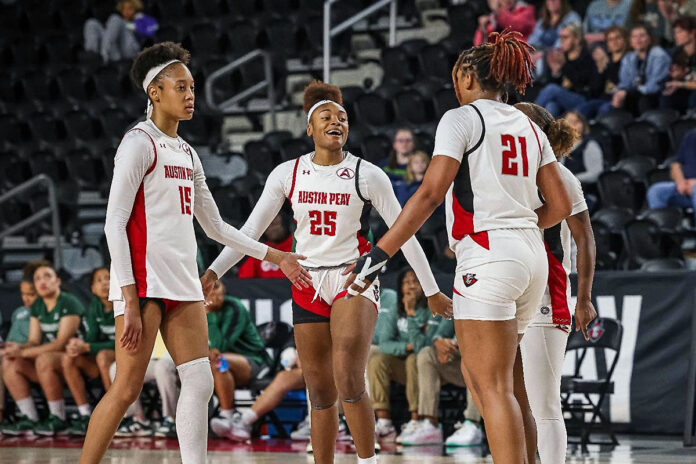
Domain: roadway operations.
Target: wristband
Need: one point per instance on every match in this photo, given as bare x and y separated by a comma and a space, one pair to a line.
368, 267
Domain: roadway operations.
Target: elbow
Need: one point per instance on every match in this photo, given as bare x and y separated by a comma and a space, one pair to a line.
430, 198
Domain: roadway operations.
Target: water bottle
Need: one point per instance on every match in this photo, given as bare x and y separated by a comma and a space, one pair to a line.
288, 358
223, 365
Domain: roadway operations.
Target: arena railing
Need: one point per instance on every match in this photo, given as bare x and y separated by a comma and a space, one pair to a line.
232, 102
330, 32
50, 210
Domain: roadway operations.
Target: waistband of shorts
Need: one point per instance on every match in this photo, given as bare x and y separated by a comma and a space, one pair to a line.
330, 268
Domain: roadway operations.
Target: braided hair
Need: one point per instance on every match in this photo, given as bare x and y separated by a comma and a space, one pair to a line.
504, 59
562, 136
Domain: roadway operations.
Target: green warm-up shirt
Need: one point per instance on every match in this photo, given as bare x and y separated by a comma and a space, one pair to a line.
394, 332
100, 330
66, 305
19, 327
231, 330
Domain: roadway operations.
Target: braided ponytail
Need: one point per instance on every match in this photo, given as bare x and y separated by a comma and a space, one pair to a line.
562, 136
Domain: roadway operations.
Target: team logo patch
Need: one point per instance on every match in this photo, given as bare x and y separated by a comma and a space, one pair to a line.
469, 279
596, 330
345, 173
545, 310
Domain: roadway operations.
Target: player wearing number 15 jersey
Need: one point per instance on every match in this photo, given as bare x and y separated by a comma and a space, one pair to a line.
332, 193
488, 161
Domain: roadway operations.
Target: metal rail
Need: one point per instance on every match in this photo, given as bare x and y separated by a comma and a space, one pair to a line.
231, 102
330, 32
51, 210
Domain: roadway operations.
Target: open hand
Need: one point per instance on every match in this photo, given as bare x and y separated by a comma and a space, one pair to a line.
440, 305
296, 274
208, 280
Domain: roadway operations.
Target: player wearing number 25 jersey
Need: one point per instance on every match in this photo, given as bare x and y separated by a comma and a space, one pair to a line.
331, 206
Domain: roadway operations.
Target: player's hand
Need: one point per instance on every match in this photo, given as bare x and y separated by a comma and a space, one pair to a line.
296, 274
12, 350
367, 268
132, 326
208, 280
440, 305
446, 349
213, 355
584, 314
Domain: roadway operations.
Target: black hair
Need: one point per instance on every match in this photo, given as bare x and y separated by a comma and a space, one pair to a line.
30, 268
154, 56
317, 91
93, 274
422, 301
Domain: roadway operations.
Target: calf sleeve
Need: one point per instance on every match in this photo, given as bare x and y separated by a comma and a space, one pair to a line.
192, 410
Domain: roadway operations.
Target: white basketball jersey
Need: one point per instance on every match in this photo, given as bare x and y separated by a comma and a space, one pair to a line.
329, 210
500, 151
555, 305
160, 229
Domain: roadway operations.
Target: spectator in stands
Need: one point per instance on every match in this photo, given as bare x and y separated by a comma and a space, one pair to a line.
123, 35
441, 363
680, 191
55, 319
602, 14
290, 378
406, 328
237, 353
673, 9
555, 15
608, 62
403, 146
647, 12
415, 170
573, 74
514, 14
586, 159
277, 236
680, 89
642, 74
19, 326
91, 357
162, 371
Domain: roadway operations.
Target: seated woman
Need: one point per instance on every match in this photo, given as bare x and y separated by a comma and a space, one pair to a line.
90, 357
237, 353
278, 236
586, 160
406, 326
555, 15
514, 14
55, 319
402, 147
415, 170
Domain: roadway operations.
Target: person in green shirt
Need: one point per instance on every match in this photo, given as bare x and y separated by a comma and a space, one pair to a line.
237, 353
55, 319
19, 326
91, 357
406, 328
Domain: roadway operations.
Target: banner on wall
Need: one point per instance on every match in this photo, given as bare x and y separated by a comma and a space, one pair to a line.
652, 376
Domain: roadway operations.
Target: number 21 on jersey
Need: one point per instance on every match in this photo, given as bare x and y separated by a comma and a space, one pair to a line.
510, 163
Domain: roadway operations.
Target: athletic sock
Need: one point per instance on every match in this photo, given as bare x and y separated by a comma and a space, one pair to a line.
384, 422
28, 408
57, 408
371, 460
84, 409
249, 416
227, 413
192, 410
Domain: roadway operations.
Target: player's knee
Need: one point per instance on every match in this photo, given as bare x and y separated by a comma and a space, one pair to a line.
546, 408
104, 360
197, 378
378, 363
126, 392
44, 362
426, 357
350, 385
322, 396
67, 362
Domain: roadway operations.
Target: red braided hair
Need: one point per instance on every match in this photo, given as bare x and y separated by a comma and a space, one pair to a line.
504, 59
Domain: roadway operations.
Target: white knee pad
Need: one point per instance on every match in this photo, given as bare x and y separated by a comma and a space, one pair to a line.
192, 410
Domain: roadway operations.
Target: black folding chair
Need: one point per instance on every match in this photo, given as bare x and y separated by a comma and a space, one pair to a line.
576, 392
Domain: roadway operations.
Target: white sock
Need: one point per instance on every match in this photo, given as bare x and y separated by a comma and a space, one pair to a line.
28, 408
371, 460
192, 410
227, 413
384, 422
57, 408
249, 416
84, 409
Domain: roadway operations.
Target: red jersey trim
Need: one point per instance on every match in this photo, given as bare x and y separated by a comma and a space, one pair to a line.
136, 230
303, 299
292, 186
541, 155
154, 148
464, 225
558, 286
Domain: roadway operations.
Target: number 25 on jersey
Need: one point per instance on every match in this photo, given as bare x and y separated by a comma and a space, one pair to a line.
322, 222
510, 163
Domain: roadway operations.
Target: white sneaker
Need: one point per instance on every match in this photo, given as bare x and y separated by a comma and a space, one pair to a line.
468, 434
407, 429
425, 434
303, 431
384, 431
220, 425
239, 430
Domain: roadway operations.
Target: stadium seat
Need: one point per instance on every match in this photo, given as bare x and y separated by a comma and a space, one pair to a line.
613, 218
291, 149
46, 129
444, 100
663, 264
434, 61
412, 108
637, 166
658, 175
677, 131
280, 31
25, 54
108, 84
260, 157
611, 146
606, 257
204, 40
661, 118
72, 86
10, 129
234, 208
201, 130
38, 86
642, 138
669, 219
643, 241
168, 11
114, 122
80, 126
427, 87
374, 110
45, 162
617, 189
615, 120
85, 169
375, 148
208, 8
397, 66
275, 139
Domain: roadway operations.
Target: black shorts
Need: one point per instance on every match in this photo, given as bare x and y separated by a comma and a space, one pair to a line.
302, 316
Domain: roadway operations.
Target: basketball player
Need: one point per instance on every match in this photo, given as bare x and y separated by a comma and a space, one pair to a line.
544, 344
489, 161
332, 192
158, 187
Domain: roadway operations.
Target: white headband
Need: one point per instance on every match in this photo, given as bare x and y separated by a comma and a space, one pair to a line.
149, 77
318, 104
